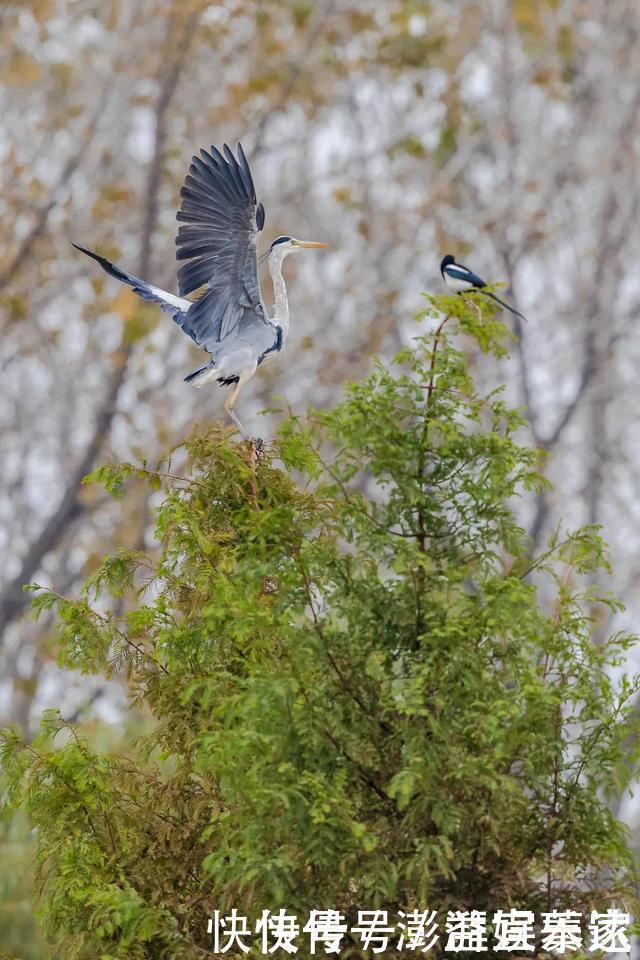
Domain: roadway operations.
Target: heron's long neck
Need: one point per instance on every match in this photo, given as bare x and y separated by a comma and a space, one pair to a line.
281, 305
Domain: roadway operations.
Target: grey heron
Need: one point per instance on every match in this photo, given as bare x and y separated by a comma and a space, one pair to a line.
218, 237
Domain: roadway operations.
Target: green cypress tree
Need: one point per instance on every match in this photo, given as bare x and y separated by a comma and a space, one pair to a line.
364, 690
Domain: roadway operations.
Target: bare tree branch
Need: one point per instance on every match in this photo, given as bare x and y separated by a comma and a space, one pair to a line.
594, 350
13, 599
42, 214
321, 12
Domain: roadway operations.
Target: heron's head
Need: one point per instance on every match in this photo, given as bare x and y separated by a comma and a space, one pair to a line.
287, 245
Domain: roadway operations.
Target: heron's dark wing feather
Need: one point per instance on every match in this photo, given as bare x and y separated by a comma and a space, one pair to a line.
220, 220
176, 307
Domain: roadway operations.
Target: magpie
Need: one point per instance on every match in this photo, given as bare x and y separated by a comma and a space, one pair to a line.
460, 279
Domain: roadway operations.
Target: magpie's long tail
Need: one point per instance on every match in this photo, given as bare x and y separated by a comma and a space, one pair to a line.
505, 305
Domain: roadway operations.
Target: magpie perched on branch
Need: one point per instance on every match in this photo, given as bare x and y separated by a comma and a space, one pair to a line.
460, 279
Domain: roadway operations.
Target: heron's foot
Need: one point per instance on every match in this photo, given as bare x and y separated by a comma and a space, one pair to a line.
256, 443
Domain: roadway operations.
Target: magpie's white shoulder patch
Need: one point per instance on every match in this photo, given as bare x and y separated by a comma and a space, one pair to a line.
458, 280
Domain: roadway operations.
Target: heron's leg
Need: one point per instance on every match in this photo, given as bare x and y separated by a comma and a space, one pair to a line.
230, 401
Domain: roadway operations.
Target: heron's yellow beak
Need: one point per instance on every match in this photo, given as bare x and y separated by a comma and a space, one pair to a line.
310, 243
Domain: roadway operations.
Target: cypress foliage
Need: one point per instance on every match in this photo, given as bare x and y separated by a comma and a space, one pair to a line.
365, 692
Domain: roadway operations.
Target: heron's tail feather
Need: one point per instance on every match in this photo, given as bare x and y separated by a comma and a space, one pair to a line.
505, 305
201, 375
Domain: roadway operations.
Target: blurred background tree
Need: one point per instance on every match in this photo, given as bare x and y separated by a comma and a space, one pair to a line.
506, 133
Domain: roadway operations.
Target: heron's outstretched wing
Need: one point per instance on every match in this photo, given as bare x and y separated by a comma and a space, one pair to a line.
176, 307
221, 218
